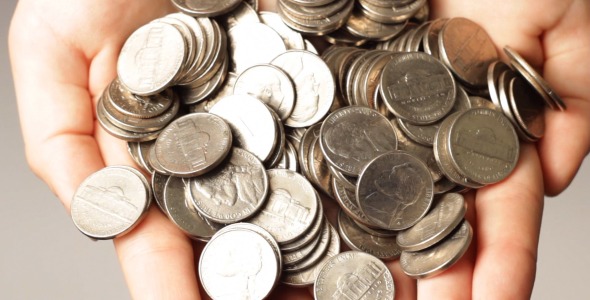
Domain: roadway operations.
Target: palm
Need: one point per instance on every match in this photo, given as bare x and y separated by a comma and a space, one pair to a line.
80, 43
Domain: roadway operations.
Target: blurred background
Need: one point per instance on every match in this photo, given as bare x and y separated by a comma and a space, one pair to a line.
43, 256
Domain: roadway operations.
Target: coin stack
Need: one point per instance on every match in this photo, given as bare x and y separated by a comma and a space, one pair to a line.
392, 134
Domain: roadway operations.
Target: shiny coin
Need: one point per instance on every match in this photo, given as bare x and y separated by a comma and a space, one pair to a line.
318, 169
467, 50
395, 190
237, 264
352, 136
292, 39
483, 145
114, 130
233, 191
138, 106
434, 260
193, 144
310, 235
447, 212
291, 206
296, 256
430, 39
354, 275
314, 86
318, 252
417, 88
110, 202
495, 69
527, 107
151, 58
207, 8
245, 45
243, 13
269, 84
357, 239
360, 25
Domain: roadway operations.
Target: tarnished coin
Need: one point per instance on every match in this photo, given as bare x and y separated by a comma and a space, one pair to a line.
354, 275
206, 8
314, 86
357, 239
151, 58
238, 264
233, 191
181, 210
467, 49
291, 206
110, 202
352, 136
418, 88
395, 190
483, 145
252, 124
269, 84
447, 212
436, 259
245, 45
193, 144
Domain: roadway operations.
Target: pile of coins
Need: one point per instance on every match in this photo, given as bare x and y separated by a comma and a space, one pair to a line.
239, 138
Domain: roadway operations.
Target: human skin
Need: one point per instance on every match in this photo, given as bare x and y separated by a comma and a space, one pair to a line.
64, 54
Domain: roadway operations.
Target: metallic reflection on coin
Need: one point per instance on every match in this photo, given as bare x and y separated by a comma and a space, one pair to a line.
440, 257
246, 40
110, 202
354, 275
238, 264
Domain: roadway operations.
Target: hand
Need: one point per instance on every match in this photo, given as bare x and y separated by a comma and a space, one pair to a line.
58, 87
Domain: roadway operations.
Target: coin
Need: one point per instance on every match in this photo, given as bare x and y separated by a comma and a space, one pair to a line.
434, 260
193, 144
318, 252
206, 8
527, 107
110, 202
447, 212
495, 69
233, 191
292, 39
360, 25
395, 190
238, 263
245, 40
352, 275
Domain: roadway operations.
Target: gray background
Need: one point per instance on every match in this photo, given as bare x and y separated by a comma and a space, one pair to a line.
43, 256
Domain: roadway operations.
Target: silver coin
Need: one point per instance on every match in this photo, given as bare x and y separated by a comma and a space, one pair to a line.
358, 24
314, 86
291, 206
309, 47
151, 58
269, 84
483, 145
347, 201
527, 107
434, 260
118, 132
181, 211
418, 88
395, 190
477, 101
292, 39
318, 252
318, 169
352, 136
193, 144
430, 39
307, 277
138, 106
252, 124
392, 13
310, 235
348, 182
467, 50
243, 13
298, 255
233, 191
238, 264
446, 213
227, 89
310, 135
359, 240
354, 275
443, 185
158, 183
313, 26
204, 92
110, 202
245, 45
495, 69
143, 154
206, 8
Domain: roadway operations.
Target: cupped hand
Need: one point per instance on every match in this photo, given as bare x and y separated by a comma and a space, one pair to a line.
64, 53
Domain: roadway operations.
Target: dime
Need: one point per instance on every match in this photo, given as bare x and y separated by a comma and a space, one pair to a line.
110, 202
291, 206
395, 190
418, 88
193, 144
233, 191
314, 86
151, 58
352, 136
357, 239
447, 212
354, 275
434, 260
270, 85
238, 263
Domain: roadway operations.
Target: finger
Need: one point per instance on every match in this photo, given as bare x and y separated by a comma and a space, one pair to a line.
405, 287
157, 260
509, 220
454, 283
566, 49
